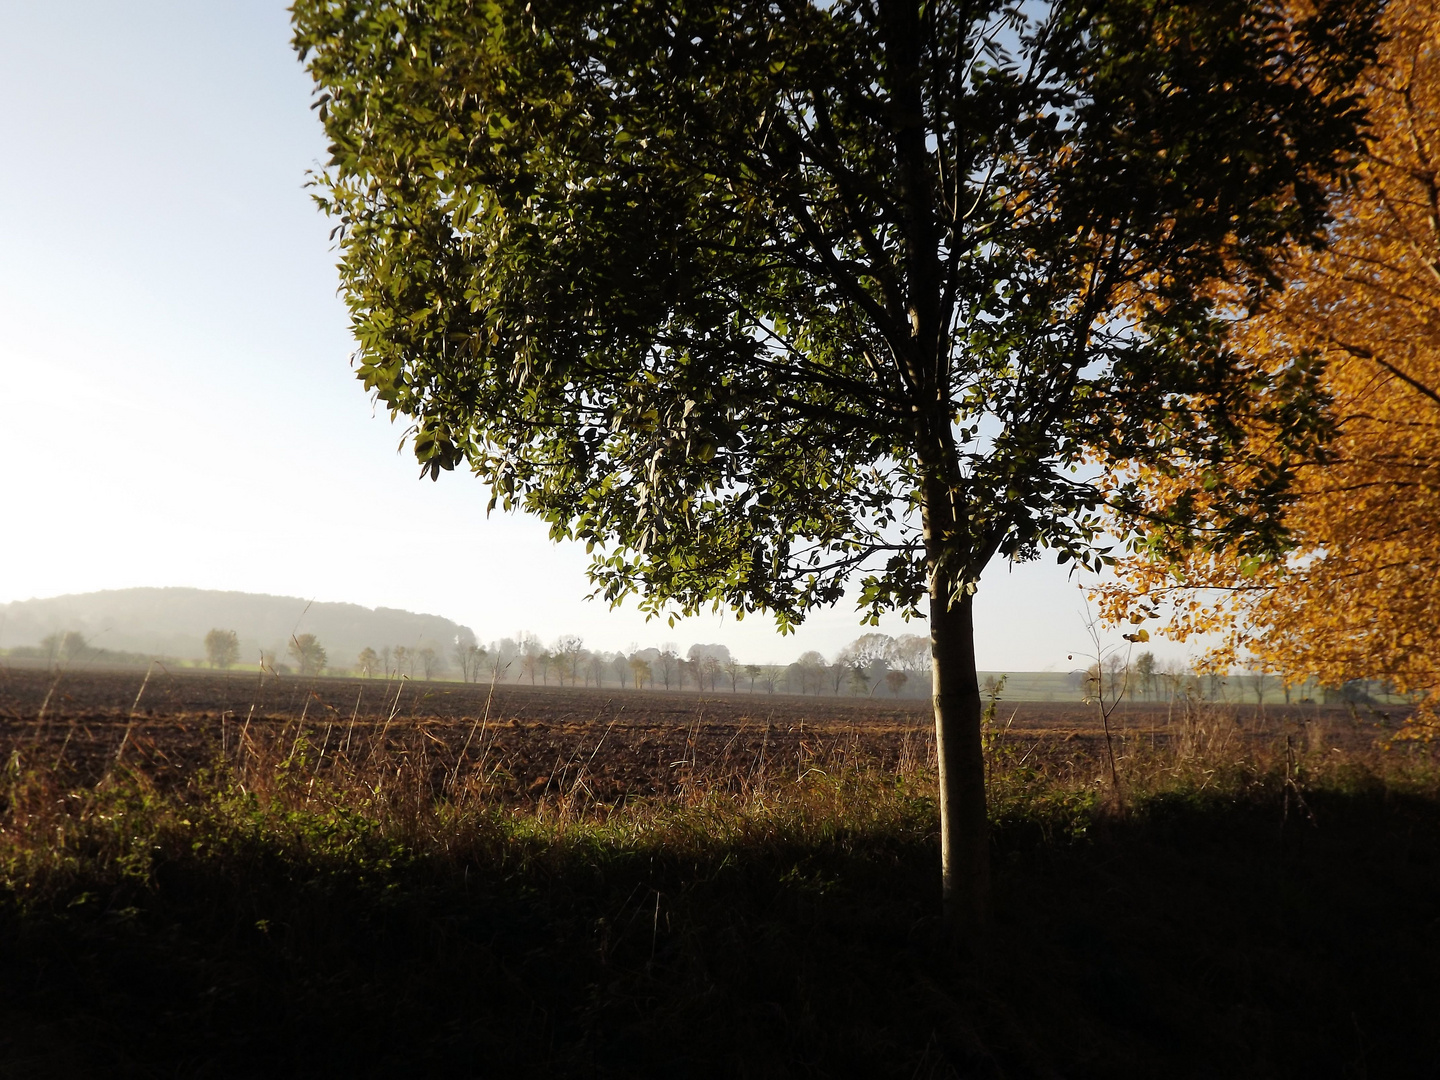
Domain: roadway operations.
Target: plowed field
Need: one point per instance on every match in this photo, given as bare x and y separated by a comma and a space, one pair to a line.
529, 742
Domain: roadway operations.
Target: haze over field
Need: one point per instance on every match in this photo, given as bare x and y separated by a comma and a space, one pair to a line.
174, 622
178, 406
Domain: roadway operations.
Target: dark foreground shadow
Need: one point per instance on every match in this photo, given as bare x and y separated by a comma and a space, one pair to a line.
1196, 940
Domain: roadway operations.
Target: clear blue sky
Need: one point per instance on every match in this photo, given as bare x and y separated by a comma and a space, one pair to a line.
176, 406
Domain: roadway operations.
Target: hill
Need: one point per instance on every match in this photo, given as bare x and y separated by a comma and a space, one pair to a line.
174, 621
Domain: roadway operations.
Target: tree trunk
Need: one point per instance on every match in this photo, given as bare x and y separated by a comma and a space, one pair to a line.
964, 840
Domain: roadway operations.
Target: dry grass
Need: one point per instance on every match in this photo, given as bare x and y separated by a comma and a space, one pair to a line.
351, 896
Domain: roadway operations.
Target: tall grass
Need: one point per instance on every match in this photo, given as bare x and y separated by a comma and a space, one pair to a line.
368, 792
335, 895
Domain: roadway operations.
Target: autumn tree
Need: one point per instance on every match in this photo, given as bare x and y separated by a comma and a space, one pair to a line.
367, 662
896, 679
1357, 592
760, 300
222, 648
308, 654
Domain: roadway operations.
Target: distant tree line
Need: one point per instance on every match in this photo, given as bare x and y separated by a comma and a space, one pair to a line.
870, 664
70, 648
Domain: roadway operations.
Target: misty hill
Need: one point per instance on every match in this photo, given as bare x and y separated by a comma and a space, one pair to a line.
174, 622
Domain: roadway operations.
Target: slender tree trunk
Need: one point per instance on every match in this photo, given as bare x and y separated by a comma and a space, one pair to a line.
959, 750
964, 828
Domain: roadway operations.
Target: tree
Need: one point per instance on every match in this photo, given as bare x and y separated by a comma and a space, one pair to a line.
367, 662
222, 648
595, 669
430, 662
568, 648
869, 654
308, 654
1355, 596
896, 679
621, 663
67, 647
732, 668
1145, 673
666, 662
534, 660
469, 655
757, 300
640, 670
404, 662
810, 671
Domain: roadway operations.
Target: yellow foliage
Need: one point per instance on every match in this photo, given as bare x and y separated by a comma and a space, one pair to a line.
1360, 594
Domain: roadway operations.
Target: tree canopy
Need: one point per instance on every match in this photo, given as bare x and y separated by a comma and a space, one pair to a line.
715, 287
1355, 594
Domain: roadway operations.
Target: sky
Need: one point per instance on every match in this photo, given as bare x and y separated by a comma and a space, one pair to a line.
176, 401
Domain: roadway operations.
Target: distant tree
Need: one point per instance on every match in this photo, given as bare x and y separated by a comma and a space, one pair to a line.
429, 660
1259, 679
595, 666
385, 661
621, 663
858, 681
66, 648
403, 660
911, 654
705, 664
640, 669
568, 649
222, 648
469, 656
533, 661
367, 662
308, 653
665, 663
752, 672
732, 669
811, 671
896, 679
870, 654
1117, 676
1145, 673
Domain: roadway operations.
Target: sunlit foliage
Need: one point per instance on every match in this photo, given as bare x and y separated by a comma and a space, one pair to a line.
1359, 593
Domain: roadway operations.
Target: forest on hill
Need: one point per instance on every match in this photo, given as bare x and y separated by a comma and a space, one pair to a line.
174, 622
